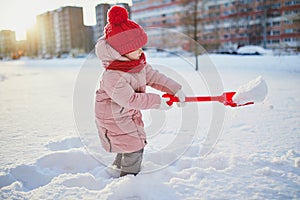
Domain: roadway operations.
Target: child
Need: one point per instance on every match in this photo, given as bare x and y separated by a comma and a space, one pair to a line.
122, 93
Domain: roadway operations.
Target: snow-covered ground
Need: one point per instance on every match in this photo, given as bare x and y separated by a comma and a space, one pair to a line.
43, 155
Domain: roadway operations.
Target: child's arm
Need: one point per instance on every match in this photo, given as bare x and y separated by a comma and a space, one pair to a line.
160, 81
121, 92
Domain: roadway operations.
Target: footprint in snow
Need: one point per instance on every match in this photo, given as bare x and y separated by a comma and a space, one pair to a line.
66, 144
49, 166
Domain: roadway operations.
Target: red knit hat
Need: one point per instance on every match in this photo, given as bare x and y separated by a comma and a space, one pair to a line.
121, 33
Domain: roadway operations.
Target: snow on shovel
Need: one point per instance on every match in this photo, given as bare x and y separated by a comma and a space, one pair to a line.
250, 93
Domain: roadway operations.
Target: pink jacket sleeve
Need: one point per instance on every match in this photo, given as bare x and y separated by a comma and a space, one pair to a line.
121, 92
161, 82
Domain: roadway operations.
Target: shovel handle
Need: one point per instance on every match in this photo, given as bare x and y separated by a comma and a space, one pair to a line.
173, 99
225, 98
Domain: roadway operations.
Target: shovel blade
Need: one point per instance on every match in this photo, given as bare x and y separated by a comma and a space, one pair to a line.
227, 96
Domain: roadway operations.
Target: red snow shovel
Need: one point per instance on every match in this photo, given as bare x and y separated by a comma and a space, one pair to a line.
225, 98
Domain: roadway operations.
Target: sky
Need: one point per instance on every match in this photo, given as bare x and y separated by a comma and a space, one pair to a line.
20, 15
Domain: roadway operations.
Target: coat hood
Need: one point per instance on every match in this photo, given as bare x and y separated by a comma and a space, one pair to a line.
106, 53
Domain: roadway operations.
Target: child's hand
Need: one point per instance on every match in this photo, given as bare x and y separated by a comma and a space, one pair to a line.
164, 105
181, 97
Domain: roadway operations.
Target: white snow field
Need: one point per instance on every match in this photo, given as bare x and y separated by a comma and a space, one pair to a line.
257, 154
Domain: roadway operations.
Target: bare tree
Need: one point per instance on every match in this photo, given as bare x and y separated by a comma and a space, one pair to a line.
190, 22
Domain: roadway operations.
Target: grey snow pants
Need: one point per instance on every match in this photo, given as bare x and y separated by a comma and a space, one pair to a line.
129, 163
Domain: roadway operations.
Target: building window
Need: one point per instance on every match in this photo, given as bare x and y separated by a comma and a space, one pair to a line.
288, 3
291, 3
260, 8
276, 32
296, 39
276, 5
292, 12
288, 22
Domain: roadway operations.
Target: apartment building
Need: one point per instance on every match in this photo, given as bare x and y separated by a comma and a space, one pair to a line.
31, 49
101, 17
46, 34
272, 24
62, 31
7, 43
223, 24
159, 18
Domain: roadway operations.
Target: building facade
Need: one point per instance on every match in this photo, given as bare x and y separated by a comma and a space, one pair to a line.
101, 17
62, 31
273, 24
46, 34
31, 49
159, 18
223, 24
7, 43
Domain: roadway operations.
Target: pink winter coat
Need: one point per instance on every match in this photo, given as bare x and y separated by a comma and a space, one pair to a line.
120, 98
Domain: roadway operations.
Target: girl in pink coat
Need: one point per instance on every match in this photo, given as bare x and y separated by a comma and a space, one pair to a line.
122, 93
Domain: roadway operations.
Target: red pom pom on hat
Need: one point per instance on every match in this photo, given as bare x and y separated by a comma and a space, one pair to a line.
121, 33
117, 15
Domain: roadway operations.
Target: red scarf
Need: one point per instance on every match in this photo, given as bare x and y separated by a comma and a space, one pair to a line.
132, 66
